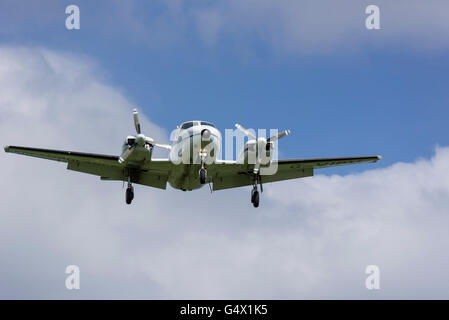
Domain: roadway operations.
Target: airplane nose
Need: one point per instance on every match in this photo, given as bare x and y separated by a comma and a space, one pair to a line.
205, 134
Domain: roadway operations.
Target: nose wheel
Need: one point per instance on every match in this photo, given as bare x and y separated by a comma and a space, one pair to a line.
203, 172
203, 175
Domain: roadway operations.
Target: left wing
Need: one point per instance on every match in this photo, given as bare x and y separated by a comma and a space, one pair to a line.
154, 174
319, 163
230, 174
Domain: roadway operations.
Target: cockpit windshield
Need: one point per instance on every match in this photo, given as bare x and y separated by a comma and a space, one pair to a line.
188, 125
204, 123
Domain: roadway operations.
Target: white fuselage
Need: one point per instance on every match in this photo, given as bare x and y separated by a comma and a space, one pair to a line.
194, 142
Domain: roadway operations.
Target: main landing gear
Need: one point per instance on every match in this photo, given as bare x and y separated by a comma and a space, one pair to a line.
129, 192
255, 197
255, 192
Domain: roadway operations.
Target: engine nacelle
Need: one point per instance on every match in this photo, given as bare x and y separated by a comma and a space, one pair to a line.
130, 140
257, 149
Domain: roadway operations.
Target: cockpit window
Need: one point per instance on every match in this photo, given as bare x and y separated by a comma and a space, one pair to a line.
187, 125
204, 123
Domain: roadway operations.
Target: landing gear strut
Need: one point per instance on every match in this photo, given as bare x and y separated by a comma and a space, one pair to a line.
129, 192
203, 172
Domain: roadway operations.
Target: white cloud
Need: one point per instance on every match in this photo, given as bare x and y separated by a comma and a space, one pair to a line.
286, 26
310, 238
308, 26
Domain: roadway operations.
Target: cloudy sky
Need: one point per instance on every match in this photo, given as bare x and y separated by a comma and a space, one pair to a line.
308, 66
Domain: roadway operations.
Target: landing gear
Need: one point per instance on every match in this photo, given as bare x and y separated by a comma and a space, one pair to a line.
129, 192
129, 195
255, 192
203, 175
203, 172
255, 197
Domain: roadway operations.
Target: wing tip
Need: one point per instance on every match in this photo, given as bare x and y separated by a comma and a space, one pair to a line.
379, 157
6, 148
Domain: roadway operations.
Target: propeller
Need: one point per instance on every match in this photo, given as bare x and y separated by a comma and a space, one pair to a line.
139, 140
267, 143
270, 139
246, 132
278, 136
136, 121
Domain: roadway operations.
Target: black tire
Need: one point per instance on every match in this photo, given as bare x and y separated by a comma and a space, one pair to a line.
129, 195
255, 198
203, 176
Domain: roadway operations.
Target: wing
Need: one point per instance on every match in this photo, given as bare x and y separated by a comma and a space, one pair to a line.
329, 162
229, 174
154, 174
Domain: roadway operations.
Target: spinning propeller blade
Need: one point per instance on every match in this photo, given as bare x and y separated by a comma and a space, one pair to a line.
278, 136
161, 145
136, 121
148, 140
247, 132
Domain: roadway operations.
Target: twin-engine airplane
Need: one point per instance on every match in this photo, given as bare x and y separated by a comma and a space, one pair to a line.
192, 161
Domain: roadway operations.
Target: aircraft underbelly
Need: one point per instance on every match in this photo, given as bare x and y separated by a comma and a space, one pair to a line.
185, 177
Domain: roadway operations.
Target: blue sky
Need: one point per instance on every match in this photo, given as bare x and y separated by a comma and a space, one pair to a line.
309, 66
376, 96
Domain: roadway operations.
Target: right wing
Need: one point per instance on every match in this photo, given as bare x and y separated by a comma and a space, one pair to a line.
230, 174
154, 174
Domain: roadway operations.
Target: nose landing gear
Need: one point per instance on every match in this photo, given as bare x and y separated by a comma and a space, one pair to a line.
203, 175
203, 172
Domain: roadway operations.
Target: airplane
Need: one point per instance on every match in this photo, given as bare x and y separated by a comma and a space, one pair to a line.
192, 161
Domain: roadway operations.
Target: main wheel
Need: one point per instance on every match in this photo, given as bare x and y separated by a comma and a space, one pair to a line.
203, 175
129, 195
255, 198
